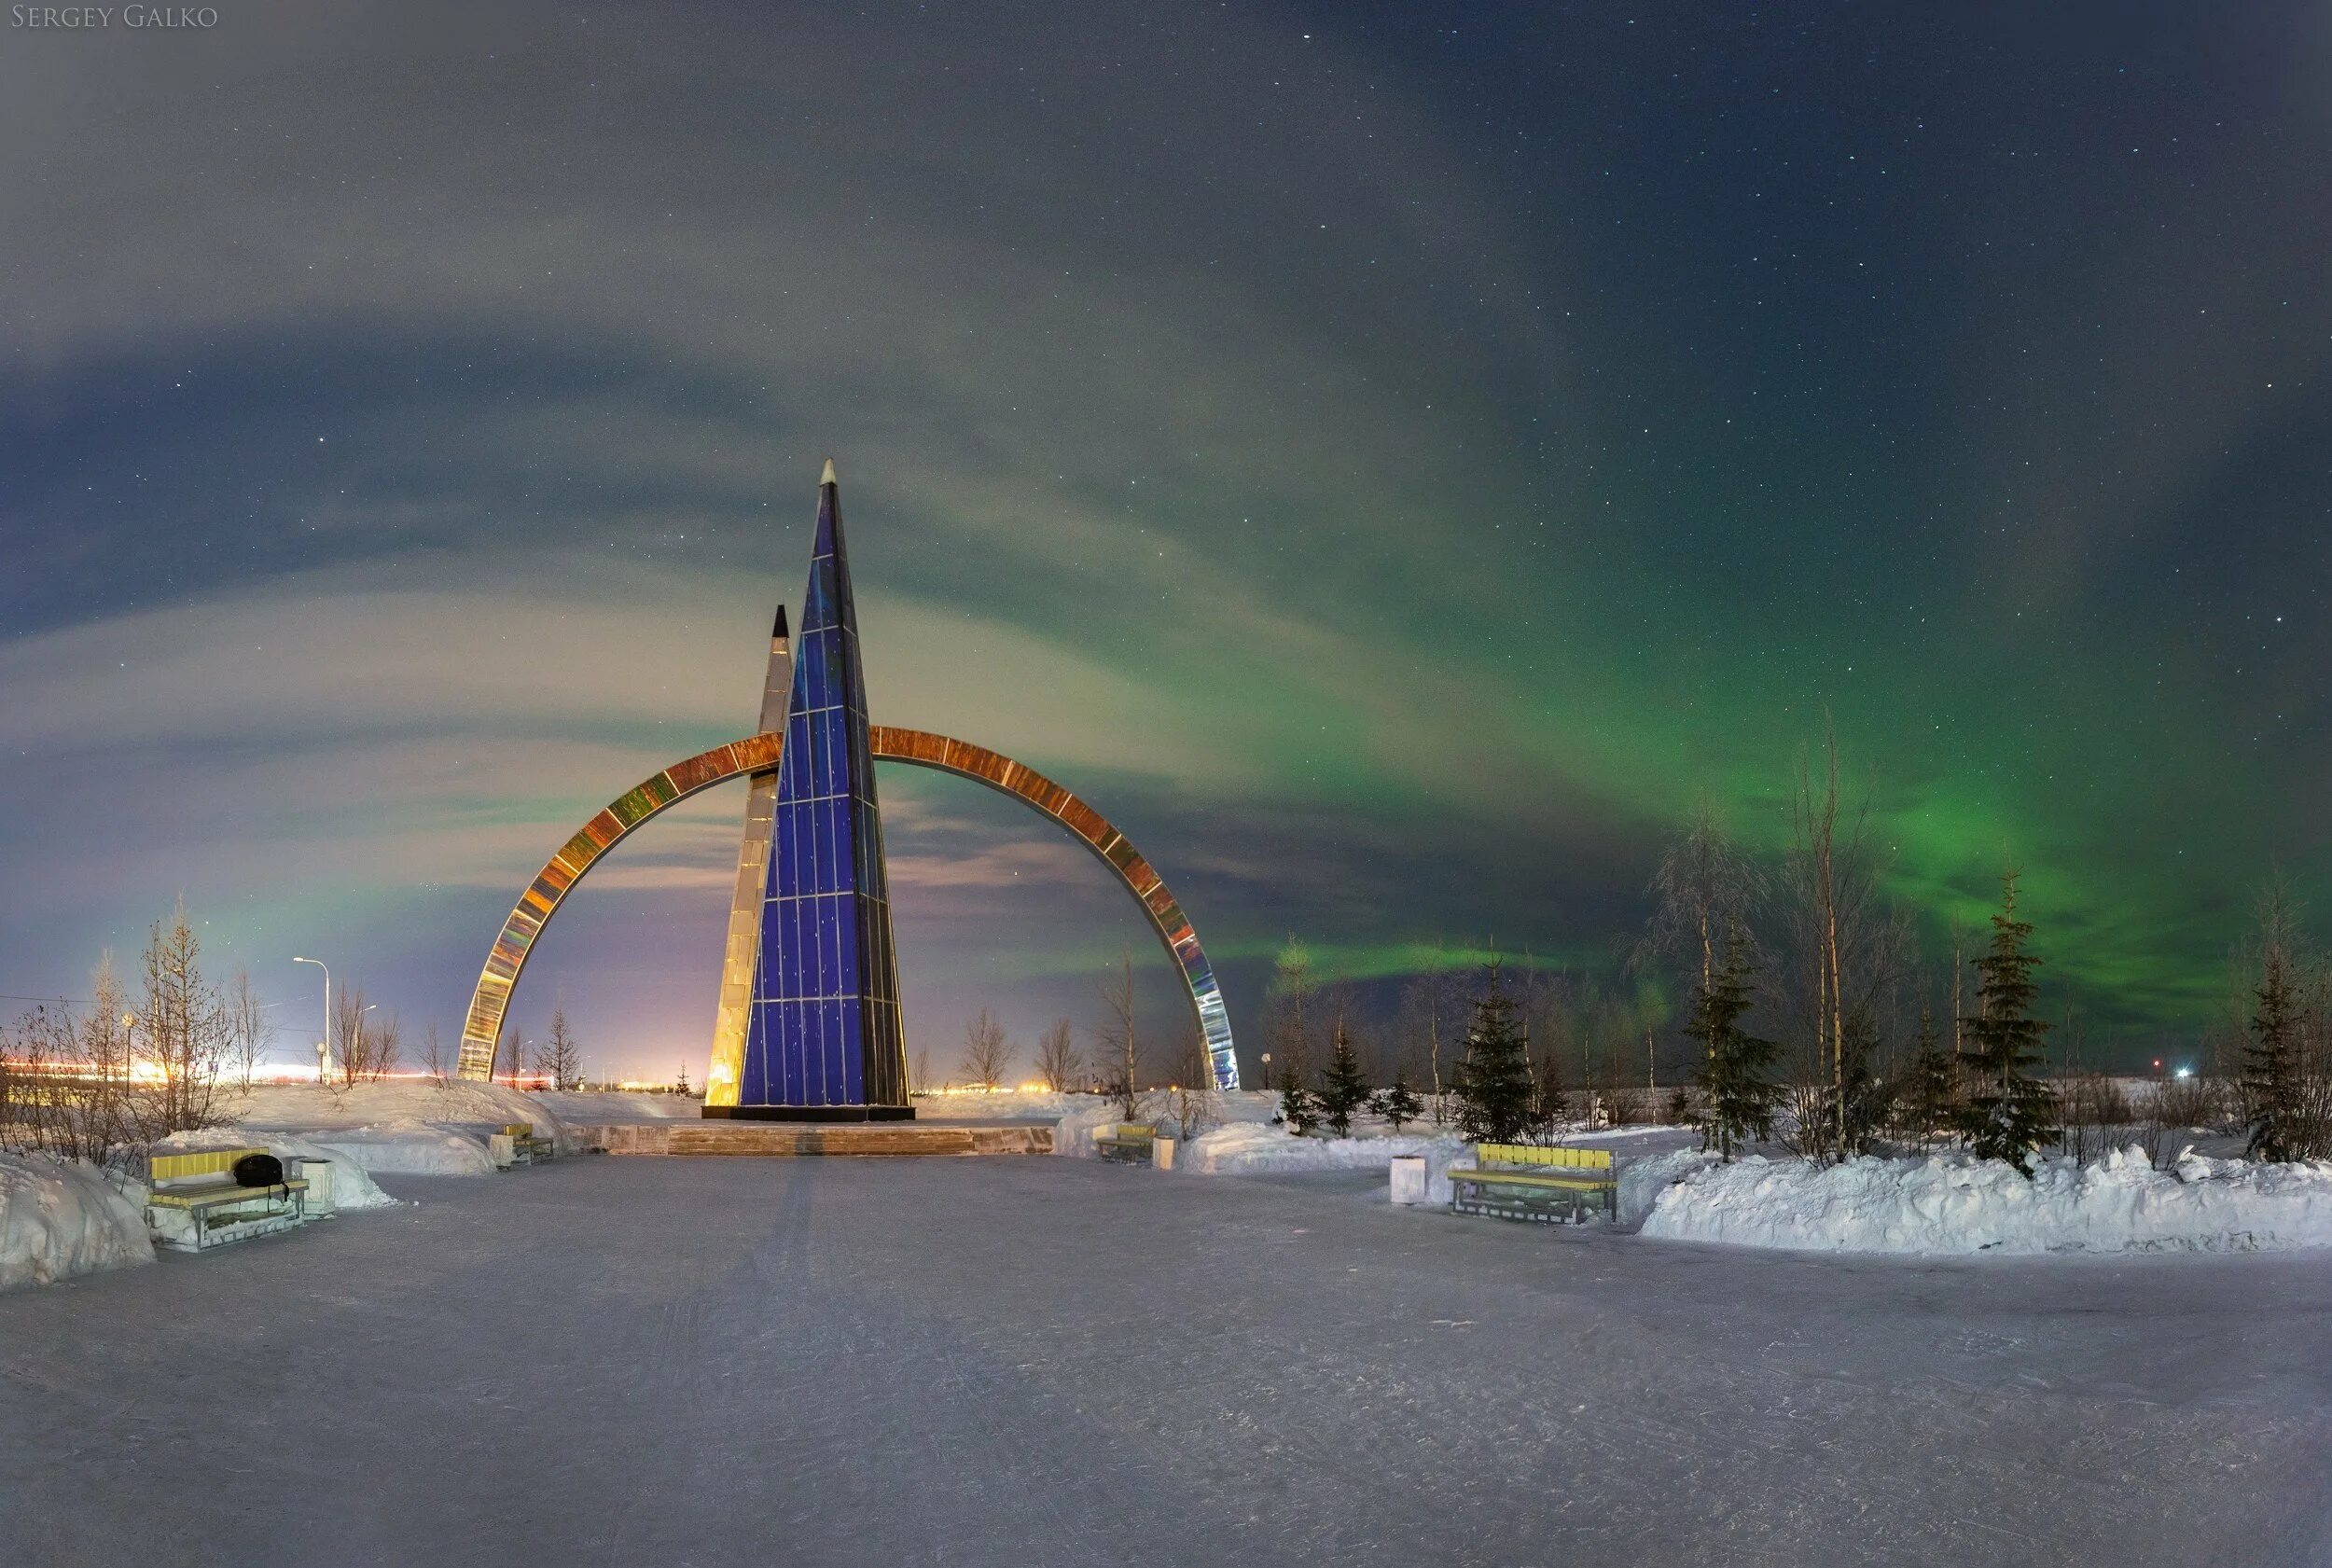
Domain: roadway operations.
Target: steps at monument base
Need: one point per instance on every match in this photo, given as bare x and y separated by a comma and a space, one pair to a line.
766, 1138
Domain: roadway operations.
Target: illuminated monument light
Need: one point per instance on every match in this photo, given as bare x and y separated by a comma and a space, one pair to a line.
808, 1026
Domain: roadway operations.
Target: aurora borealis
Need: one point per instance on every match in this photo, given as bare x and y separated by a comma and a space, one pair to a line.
1389, 460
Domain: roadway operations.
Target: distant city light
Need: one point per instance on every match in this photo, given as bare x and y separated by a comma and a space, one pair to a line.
2185, 1072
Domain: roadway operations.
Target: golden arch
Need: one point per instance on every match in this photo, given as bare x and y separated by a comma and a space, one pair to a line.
757, 754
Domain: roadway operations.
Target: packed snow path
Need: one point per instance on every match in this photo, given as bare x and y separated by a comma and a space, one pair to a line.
1044, 1361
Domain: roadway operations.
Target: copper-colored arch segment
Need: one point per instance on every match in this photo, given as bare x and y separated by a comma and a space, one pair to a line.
1026, 784
759, 754
542, 897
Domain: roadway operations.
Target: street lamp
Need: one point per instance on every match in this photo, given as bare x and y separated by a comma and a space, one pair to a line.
323, 1046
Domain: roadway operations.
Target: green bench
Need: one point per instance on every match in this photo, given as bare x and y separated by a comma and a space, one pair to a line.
193, 1201
1534, 1182
1129, 1142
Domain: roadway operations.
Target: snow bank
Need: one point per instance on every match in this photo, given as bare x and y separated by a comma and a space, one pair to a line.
407, 1147
1246, 1149
1246, 1142
408, 1127
58, 1220
1953, 1204
591, 1107
1643, 1181
352, 1187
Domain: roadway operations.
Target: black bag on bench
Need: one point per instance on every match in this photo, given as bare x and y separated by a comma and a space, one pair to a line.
259, 1170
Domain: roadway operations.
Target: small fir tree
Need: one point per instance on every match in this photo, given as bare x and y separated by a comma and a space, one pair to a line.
2008, 1112
1298, 1112
1869, 1098
1398, 1105
1343, 1087
1494, 1082
1737, 1100
1930, 1101
2270, 1076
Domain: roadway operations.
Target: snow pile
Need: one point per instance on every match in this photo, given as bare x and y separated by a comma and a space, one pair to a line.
1085, 1114
404, 1126
1249, 1147
598, 1107
352, 1187
1643, 1181
1954, 1203
58, 1220
1073, 1135
406, 1146
482, 1109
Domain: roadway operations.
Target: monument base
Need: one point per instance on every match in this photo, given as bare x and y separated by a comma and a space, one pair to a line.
724, 1135
810, 1113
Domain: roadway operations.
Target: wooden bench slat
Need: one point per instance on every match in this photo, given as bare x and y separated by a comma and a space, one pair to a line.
214, 1194
1531, 1178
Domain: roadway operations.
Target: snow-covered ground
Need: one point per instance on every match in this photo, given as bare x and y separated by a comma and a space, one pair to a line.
59, 1220
1012, 1362
1954, 1203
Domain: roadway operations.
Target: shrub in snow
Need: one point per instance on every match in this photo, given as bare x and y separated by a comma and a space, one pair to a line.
1299, 1111
1957, 1204
58, 1219
1397, 1105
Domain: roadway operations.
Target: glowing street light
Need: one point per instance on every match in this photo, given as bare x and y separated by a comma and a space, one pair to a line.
323, 1046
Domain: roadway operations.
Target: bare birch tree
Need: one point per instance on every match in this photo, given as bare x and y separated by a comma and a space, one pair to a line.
1850, 950
183, 1025
1294, 995
1434, 1012
433, 1057
987, 1052
1121, 1047
249, 1031
1058, 1059
561, 1059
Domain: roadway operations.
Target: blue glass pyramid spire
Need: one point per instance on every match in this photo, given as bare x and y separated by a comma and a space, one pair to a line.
823, 1038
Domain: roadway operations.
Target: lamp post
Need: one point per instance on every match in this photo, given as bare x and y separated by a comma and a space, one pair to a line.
323, 1046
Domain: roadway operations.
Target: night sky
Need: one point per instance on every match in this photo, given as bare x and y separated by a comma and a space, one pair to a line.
1389, 461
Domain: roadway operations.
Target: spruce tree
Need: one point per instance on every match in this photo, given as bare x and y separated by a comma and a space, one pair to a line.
1930, 1098
2009, 1113
2270, 1077
1869, 1098
1398, 1105
1737, 1100
1299, 1111
1343, 1087
1493, 1083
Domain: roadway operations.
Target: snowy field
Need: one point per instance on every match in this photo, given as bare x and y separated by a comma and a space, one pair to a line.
1060, 1362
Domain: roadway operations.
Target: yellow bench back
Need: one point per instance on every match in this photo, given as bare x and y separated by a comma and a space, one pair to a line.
196, 1163
1539, 1154
518, 1129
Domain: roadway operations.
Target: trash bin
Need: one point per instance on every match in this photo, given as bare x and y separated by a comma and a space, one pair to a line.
1408, 1178
318, 1174
1162, 1153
